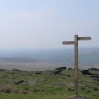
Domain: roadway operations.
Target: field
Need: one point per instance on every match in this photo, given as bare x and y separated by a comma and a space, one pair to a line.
18, 84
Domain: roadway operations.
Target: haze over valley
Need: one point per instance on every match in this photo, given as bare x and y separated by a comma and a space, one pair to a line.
48, 59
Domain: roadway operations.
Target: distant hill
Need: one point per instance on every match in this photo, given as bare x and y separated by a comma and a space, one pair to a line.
87, 56
18, 59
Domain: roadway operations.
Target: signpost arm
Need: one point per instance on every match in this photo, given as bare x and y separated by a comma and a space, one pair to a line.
76, 64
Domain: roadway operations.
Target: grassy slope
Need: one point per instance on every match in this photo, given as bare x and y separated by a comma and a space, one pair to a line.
48, 86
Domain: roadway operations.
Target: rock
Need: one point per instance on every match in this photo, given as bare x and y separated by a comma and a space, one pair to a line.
31, 83
97, 79
95, 88
90, 74
94, 76
38, 72
60, 68
1, 69
69, 68
88, 91
15, 70
93, 69
21, 81
85, 72
57, 71
70, 89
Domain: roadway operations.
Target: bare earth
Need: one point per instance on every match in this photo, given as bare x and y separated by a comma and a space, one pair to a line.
39, 66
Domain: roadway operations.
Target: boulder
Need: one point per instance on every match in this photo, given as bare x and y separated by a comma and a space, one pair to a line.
85, 72
1, 69
59, 68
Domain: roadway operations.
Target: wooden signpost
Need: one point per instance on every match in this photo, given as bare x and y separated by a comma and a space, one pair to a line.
75, 42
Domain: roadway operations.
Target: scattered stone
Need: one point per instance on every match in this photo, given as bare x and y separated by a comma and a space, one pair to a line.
94, 69
21, 81
16, 70
95, 88
38, 72
31, 83
88, 91
97, 79
70, 89
68, 75
82, 88
72, 84
92, 76
69, 68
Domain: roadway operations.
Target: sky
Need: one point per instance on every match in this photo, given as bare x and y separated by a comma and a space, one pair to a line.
45, 24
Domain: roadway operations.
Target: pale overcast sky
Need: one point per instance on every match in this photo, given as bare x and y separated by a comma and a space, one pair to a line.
44, 24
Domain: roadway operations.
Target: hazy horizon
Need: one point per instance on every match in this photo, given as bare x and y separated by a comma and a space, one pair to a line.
42, 49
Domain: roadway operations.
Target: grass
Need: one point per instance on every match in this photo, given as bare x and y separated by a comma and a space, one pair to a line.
47, 86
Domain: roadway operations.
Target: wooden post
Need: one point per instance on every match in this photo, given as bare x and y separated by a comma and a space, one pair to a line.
76, 64
75, 42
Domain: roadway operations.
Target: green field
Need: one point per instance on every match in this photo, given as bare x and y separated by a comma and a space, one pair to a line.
46, 85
